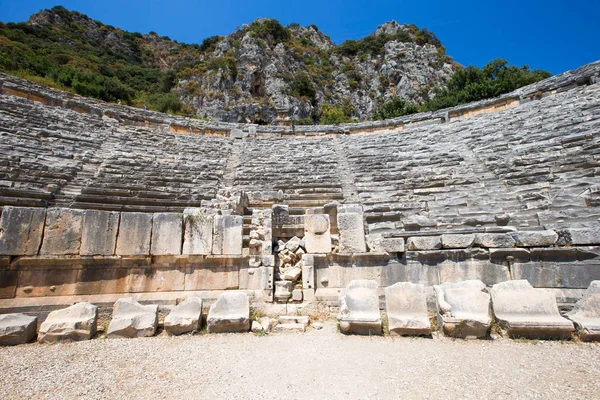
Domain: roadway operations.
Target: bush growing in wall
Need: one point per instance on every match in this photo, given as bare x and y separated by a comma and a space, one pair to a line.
395, 107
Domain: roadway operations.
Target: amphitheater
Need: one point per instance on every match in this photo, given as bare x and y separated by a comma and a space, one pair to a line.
103, 202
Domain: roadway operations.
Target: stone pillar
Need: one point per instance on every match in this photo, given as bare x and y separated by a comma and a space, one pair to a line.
351, 229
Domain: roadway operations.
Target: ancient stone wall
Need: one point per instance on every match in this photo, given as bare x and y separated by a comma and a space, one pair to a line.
102, 199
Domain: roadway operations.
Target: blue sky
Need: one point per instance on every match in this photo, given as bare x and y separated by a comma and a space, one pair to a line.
551, 35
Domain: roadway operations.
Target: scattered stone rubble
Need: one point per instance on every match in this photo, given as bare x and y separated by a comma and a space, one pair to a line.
131, 319
185, 317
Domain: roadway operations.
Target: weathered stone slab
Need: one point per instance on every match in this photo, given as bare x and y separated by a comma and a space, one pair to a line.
185, 317
526, 312
74, 323
406, 308
494, 240
135, 231
352, 233
317, 233
359, 308
391, 245
450, 241
227, 237
198, 235
16, 329
167, 231
99, 233
21, 230
62, 233
308, 271
230, 313
584, 236
535, 238
464, 309
417, 243
586, 313
131, 319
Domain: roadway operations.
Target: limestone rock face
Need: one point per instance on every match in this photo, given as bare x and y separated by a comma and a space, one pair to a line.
21, 230
131, 319
230, 313
16, 329
406, 308
185, 317
359, 308
464, 309
74, 323
527, 312
586, 313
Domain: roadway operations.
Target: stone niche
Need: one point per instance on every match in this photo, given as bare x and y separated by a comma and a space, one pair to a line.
317, 233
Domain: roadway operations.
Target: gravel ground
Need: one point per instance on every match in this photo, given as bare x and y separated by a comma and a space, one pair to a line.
319, 364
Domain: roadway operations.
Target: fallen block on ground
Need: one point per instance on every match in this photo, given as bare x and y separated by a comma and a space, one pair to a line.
185, 317
463, 309
230, 313
526, 312
406, 308
131, 319
359, 308
16, 329
74, 323
586, 313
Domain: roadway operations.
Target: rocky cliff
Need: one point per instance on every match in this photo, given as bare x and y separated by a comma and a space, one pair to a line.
246, 76
259, 69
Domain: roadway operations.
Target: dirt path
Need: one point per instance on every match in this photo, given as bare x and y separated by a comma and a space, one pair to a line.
315, 365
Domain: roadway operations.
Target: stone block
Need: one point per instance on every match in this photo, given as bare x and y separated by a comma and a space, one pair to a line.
416, 243
308, 271
292, 274
391, 245
227, 234
230, 313
131, 319
135, 231
452, 241
406, 308
167, 231
494, 240
184, 317
586, 313
535, 238
74, 323
291, 327
359, 308
99, 233
62, 232
283, 291
584, 236
21, 230
463, 309
198, 234
317, 233
526, 312
16, 329
297, 295
352, 234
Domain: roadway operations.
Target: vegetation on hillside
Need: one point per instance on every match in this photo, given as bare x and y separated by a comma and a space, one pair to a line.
69, 51
468, 85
